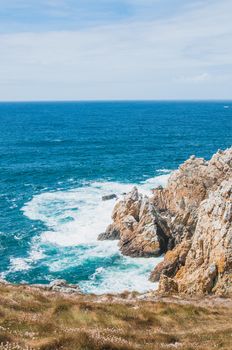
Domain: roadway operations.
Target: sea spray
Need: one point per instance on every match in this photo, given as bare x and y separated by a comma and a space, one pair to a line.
74, 219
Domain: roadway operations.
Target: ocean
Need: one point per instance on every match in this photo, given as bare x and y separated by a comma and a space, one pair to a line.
58, 159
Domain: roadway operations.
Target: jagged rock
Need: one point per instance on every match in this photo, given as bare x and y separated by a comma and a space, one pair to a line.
197, 207
189, 185
172, 262
112, 233
136, 225
209, 260
167, 285
190, 220
187, 188
109, 197
142, 237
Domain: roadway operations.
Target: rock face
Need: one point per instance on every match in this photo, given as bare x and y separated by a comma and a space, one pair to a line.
208, 265
197, 206
112, 233
190, 220
135, 224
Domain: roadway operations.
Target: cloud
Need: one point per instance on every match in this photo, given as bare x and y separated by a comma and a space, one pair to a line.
200, 78
134, 59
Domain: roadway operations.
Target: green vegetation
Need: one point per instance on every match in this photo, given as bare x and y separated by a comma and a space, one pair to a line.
36, 319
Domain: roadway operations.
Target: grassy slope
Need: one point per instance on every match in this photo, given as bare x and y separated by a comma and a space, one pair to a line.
35, 319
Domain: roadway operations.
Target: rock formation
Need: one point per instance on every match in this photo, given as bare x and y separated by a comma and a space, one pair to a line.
197, 206
208, 265
190, 220
135, 223
109, 197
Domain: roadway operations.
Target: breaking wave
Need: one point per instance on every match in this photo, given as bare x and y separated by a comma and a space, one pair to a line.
69, 249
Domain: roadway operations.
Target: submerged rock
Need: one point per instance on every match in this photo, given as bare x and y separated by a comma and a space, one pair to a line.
109, 197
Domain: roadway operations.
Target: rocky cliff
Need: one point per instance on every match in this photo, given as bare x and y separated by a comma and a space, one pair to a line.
136, 225
190, 221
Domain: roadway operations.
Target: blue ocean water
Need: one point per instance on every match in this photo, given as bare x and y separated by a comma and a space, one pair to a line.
58, 159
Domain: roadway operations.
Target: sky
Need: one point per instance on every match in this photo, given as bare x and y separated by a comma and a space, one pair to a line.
115, 49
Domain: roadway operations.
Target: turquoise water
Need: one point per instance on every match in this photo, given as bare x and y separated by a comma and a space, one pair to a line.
58, 159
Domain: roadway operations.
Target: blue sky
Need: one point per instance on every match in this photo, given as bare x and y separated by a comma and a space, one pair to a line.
108, 49
42, 15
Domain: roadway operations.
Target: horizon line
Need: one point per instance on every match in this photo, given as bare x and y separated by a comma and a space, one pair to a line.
115, 100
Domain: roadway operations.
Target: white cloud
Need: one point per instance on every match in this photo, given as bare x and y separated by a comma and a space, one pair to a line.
136, 59
200, 78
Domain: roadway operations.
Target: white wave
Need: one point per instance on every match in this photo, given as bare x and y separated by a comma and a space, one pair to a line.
77, 257
131, 275
76, 218
18, 264
164, 171
152, 183
36, 253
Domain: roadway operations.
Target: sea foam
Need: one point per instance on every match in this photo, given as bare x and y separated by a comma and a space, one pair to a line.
74, 219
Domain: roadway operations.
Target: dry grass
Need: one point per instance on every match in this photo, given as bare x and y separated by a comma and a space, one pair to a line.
34, 319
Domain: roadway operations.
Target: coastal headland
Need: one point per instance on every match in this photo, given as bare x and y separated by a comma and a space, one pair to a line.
189, 223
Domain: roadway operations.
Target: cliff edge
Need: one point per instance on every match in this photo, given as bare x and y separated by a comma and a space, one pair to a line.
190, 221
